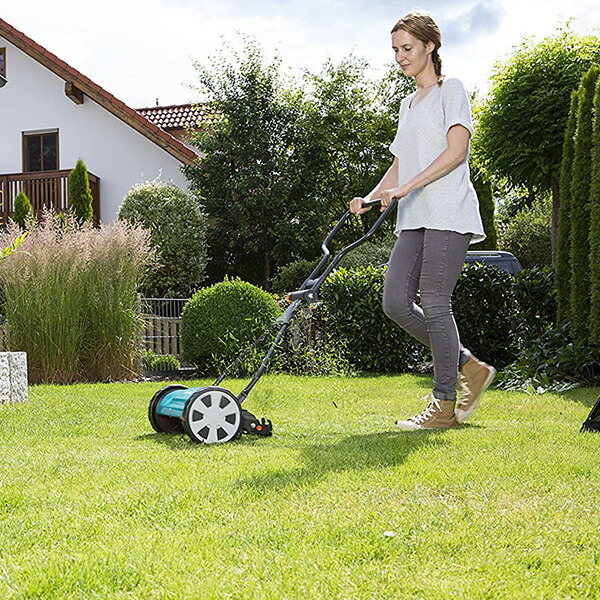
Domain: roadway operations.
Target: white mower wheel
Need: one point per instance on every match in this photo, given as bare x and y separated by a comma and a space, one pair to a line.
212, 416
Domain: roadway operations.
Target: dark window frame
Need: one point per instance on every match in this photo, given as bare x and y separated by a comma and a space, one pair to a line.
3, 62
27, 135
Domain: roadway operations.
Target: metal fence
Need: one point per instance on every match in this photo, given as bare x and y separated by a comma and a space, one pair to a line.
162, 323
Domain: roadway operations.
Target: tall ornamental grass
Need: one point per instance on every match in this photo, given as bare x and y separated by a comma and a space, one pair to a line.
69, 299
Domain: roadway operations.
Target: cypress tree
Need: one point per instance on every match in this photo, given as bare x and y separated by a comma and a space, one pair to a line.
483, 188
594, 237
80, 194
580, 211
563, 261
23, 210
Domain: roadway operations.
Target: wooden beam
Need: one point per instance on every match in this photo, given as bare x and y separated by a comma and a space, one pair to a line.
73, 92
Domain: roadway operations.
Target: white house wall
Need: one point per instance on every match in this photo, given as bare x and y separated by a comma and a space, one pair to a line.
34, 99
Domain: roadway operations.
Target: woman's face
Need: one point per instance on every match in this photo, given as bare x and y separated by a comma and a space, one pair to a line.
411, 53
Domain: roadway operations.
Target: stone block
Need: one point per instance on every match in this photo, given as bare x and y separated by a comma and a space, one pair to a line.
13, 377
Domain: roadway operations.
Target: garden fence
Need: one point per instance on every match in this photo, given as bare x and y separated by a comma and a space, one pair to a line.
162, 322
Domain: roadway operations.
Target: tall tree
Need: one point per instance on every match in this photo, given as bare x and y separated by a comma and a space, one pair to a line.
580, 207
563, 262
254, 178
521, 128
594, 235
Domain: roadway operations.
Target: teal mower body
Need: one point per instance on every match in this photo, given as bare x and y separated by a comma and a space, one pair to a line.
213, 414
207, 415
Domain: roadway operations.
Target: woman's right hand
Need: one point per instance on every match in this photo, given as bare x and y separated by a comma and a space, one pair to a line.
356, 206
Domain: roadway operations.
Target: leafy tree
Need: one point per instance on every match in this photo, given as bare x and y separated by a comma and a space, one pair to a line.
259, 174
80, 194
594, 235
580, 207
563, 263
178, 232
521, 127
23, 210
483, 188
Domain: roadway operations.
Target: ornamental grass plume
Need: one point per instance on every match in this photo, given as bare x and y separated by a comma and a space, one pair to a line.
69, 299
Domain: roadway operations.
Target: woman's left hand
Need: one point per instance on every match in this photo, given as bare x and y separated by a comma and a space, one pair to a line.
393, 193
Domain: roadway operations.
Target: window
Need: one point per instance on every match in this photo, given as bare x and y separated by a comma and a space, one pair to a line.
3, 62
40, 151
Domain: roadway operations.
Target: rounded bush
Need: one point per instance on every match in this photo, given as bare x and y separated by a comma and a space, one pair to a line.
221, 321
177, 229
293, 275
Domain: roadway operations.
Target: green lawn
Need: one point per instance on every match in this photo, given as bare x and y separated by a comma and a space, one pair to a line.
336, 505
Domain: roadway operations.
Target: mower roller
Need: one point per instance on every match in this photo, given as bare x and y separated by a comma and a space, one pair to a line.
213, 414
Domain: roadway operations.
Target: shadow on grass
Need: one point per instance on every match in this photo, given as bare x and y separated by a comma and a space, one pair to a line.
353, 453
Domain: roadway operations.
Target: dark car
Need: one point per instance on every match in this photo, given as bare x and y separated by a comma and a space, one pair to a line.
503, 260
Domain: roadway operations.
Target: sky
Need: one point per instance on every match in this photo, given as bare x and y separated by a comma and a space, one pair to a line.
144, 50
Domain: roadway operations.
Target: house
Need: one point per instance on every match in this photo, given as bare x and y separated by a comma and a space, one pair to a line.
51, 115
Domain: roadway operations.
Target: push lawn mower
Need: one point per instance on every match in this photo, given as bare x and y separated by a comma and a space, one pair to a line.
214, 414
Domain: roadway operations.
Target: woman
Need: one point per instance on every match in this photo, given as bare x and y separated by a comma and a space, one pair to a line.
438, 217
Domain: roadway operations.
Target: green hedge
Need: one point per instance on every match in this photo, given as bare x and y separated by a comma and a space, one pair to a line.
355, 317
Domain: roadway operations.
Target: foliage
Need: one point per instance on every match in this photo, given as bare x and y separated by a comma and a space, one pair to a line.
80, 194
23, 212
308, 348
221, 321
553, 362
352, 301
152, 362
258, 177
528, 235
594, 228
374, 252
70, 300
177, 229
483, 188
521, 127
580, 207
486, 310
535, 293
293, 275
563, 263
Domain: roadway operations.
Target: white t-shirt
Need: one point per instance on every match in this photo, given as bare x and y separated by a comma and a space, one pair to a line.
450, 202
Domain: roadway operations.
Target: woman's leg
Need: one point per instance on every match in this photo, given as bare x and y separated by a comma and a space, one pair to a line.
443, 257
401, 284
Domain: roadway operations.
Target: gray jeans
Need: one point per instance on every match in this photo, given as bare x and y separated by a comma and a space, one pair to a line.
429, 261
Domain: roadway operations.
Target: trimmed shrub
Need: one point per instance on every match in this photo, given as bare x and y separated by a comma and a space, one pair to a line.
177, 229
373, 252
293, 275
70, 300
594, 235
486, 312
529, 235
355, 318
23, 212
563, 261
535, 293
80, 194
580, 208
219, 322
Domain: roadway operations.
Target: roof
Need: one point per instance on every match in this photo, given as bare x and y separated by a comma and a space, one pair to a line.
99, 95
179, 116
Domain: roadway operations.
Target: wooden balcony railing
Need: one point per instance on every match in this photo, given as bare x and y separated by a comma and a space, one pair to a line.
48, 189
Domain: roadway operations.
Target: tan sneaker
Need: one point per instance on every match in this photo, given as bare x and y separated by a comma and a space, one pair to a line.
439, 413
475, 377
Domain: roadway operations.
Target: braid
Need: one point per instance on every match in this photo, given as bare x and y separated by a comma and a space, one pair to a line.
437, 65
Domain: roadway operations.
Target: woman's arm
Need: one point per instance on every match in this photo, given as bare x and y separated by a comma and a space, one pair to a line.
389, 180
456, 152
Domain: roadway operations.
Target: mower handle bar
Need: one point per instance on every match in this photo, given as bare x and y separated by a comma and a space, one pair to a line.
308, 290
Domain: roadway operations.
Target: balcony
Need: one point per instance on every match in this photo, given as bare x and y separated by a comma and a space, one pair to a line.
48, 189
